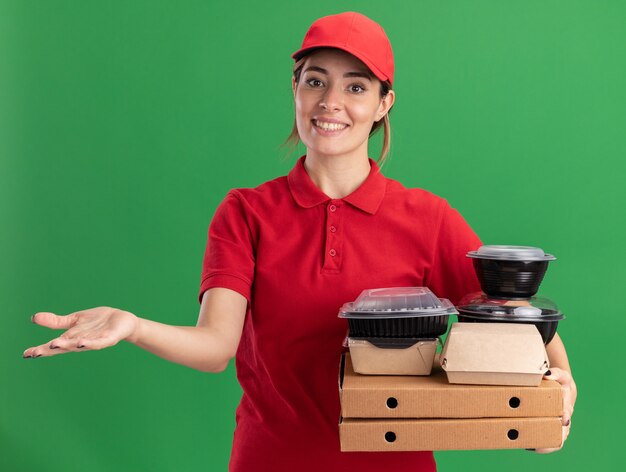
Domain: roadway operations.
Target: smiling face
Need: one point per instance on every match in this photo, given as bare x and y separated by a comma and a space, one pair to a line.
337, 101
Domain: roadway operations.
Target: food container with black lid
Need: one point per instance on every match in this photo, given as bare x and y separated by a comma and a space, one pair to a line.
397, 312
510, 271
540, 311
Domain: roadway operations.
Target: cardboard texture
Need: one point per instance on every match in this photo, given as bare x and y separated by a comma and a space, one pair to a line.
414, 360
375, 396
449, 434
426, 413
494, 354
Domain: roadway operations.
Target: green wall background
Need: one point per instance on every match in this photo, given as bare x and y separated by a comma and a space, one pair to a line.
124, 124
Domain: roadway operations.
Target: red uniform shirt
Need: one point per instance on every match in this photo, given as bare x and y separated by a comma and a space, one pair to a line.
297, 256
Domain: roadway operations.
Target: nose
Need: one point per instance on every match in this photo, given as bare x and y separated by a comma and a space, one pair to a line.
332, 99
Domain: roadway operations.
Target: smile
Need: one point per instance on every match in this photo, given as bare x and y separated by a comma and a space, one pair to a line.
326, 126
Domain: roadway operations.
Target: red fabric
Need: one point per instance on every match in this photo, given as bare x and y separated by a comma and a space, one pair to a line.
354, 33
297, 256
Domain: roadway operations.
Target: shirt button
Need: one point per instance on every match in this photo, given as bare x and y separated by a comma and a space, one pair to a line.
332, 252
332, 229
332, 208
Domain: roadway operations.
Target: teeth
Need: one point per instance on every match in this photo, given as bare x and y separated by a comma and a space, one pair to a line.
329, 126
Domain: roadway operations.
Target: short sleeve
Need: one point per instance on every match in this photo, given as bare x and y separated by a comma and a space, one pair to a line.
229, 255
452, 274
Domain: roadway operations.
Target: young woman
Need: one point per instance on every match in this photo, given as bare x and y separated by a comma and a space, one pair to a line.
283, 257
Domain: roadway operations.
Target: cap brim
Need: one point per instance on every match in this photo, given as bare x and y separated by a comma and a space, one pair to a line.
375, 70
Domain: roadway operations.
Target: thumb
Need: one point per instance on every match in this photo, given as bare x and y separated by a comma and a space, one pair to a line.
50, 320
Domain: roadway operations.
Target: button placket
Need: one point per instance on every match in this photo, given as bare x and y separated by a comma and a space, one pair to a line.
333, 255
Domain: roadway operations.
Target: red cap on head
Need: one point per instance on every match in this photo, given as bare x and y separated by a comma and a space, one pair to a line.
356, 34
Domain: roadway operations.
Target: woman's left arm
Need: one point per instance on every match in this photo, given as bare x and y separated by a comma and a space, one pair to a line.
561, 372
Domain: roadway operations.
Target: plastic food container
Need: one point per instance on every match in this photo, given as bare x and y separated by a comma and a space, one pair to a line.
510, 271
394, 356
540, 311
397, 312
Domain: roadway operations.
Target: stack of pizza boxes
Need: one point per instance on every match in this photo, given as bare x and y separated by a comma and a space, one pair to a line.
484, 390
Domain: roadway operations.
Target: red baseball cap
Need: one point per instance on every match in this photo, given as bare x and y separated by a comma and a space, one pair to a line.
354, 33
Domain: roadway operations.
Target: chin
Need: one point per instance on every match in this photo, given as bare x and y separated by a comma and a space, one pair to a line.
329, 148
330, 152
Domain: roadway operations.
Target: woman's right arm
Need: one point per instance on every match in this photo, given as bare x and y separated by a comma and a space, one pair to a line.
207, 347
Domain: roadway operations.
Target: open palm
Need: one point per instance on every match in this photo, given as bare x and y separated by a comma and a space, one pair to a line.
95, 328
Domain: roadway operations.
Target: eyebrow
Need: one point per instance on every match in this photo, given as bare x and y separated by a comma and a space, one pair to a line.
363, 74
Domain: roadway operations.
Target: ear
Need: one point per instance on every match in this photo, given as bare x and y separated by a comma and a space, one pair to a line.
293, 86
385, 105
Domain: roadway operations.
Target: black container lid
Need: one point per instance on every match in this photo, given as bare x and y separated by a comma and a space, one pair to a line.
536, 309
397, 302
510, 253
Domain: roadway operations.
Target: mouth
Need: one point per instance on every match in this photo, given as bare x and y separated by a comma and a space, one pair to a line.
328, 127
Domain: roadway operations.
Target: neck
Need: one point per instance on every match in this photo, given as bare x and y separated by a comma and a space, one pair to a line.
337, 176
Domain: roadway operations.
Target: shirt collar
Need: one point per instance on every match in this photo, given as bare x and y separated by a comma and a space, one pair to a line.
367, 197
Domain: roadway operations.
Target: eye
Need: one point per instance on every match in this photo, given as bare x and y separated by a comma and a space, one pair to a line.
315, 83
357, 88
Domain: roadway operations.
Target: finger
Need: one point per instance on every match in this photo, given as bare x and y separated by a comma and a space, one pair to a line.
548, 450
81, 341
564, 378
67, 342
560, 375
42, 350
50, 320
97, 342
568, 408
566, 430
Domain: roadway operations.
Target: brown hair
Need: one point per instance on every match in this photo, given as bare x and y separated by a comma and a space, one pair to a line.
294, 138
